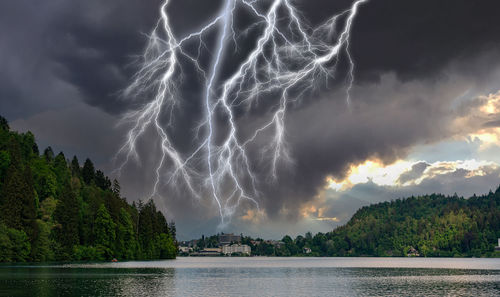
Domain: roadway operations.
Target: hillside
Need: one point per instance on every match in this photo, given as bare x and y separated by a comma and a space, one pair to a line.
431, 226
55, 209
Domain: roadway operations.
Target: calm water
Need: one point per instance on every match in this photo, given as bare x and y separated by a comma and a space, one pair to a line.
258, 277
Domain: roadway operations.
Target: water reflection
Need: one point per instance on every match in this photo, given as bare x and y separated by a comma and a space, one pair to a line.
237, 278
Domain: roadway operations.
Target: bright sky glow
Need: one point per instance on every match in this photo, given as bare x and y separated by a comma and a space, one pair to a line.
390, 175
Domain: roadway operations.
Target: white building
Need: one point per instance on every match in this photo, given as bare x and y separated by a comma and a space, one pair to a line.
236, 248
185, 249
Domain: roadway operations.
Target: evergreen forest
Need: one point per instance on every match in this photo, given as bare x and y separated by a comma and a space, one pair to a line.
56, 209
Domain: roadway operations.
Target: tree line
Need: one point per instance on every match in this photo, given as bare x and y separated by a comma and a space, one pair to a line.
53, 209
427, 226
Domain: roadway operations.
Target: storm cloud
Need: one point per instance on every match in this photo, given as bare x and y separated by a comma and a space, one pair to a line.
420, 65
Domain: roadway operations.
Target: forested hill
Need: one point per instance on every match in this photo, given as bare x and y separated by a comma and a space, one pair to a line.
432, 226
52, 209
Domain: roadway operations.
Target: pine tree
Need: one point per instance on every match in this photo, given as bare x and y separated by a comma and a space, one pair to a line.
62, 171
44, 178
88, 172
66, 215
173, 230
48, 153
29, 206
116, 187
12, 196
102, 181
75, 167
45, 213
4, 124
41, 248
29, 149
4, 165
146, 229
105, 232
18, 208
166, 246
125, 238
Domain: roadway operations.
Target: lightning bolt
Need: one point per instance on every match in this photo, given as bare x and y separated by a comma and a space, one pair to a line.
289, 60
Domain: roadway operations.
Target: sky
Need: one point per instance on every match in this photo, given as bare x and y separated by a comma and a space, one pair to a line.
423, 114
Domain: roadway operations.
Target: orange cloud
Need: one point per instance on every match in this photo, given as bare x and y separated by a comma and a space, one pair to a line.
253, 216
389, 175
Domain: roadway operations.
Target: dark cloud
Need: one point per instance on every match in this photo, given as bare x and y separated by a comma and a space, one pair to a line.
416, 39
68, 49
387, 119
492, 124
91, 44
414, 173
74, 130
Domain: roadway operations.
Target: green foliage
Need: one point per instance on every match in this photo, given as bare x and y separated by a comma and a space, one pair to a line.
52, 210
41, 250
18, 205
4, 125
4, 162
28, 146
428, 226
14, 245
86, 253
126, 243
104, 232
166, 246
75, 167
116, 187
88, 172
13, 192
432, 225
48, 154
102, 181
62, 172
44, 179
66, 228
47, 209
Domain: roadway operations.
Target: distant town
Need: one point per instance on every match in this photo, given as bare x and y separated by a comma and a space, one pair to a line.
226, 244
410, 227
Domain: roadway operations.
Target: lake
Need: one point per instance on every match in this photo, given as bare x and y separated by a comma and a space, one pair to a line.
258, 276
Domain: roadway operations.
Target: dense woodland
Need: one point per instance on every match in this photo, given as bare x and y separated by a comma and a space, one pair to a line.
427, 226
53, 209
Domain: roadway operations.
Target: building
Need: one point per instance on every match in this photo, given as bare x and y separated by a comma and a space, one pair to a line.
236, 248
497, 248
210, 252
225, 239
185, 249
307, 250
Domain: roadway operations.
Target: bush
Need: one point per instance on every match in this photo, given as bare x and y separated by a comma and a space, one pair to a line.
14, 245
